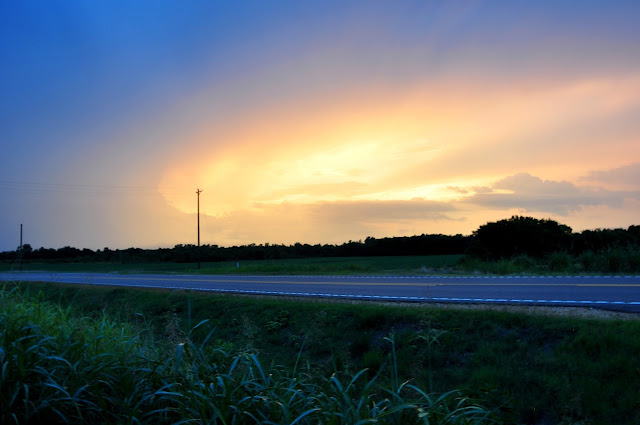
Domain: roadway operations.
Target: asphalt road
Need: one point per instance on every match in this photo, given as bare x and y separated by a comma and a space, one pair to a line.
611, 292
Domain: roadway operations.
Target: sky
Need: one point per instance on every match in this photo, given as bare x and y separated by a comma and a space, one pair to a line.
314, 121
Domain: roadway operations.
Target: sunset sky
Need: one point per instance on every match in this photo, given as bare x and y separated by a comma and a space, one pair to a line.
313, 121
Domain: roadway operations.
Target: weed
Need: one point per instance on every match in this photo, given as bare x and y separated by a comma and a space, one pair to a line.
59, 368
545, 368
431, 337
373, 360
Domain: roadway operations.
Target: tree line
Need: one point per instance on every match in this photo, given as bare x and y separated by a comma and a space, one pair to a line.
503, 239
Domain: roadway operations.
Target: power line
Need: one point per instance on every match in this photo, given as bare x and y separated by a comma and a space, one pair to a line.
85, 189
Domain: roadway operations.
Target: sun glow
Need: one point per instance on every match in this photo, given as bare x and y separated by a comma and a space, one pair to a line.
330, 157
314, 121
352, 170
444, 144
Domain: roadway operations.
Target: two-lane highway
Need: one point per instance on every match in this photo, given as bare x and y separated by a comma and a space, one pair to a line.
619, 292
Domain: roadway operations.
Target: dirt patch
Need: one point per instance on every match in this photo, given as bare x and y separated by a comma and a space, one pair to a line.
579, 312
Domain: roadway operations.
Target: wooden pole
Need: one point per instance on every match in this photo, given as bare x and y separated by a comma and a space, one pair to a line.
198, 192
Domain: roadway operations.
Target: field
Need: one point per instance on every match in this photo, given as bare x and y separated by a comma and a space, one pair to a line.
523, 368
617, 261
328, 265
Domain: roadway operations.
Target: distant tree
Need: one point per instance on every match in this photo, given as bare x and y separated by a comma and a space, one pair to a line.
520, 235
502, 239
25, 251
634, 232
67, 252
603, 239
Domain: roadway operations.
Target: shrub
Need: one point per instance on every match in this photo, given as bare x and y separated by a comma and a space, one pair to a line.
559, 261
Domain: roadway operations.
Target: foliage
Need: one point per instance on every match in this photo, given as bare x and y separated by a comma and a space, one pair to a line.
521, 235
398, 246
58, 368
530, 368
516, 245
609, 261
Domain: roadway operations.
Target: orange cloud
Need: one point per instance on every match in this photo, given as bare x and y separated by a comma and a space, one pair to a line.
399, 145
275, 176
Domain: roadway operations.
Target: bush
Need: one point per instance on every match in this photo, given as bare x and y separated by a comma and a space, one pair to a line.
559, 261
590, 261
524, 262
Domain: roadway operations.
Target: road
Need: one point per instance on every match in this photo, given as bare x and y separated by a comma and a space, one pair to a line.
611, 292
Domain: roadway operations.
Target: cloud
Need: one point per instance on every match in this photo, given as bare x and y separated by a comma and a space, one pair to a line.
526, 183
347, 188
327, 222
382, 142
333, 119
628, 175
383, 211
457, 189
532, 194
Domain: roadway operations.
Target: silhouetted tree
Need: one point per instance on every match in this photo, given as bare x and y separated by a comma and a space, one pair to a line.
501, 239
520, 235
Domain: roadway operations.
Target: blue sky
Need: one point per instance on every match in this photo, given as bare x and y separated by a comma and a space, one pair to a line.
313, 121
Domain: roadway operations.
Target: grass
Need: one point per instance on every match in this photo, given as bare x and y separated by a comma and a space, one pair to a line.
528, 368
323, 265
340, 265
612, 261
61, 367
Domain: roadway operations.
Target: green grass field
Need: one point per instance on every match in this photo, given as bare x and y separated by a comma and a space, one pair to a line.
610, 262
526, 368
328, 265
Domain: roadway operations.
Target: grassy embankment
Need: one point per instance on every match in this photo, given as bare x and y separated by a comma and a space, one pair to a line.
58, 366
528, 368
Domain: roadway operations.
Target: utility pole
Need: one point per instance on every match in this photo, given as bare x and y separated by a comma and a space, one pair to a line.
20, 255
198, 192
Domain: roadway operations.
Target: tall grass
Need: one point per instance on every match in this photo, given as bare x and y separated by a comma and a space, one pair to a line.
533, 367
58, 367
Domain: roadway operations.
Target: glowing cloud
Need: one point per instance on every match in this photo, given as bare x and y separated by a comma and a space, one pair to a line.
318, 121
414, 144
